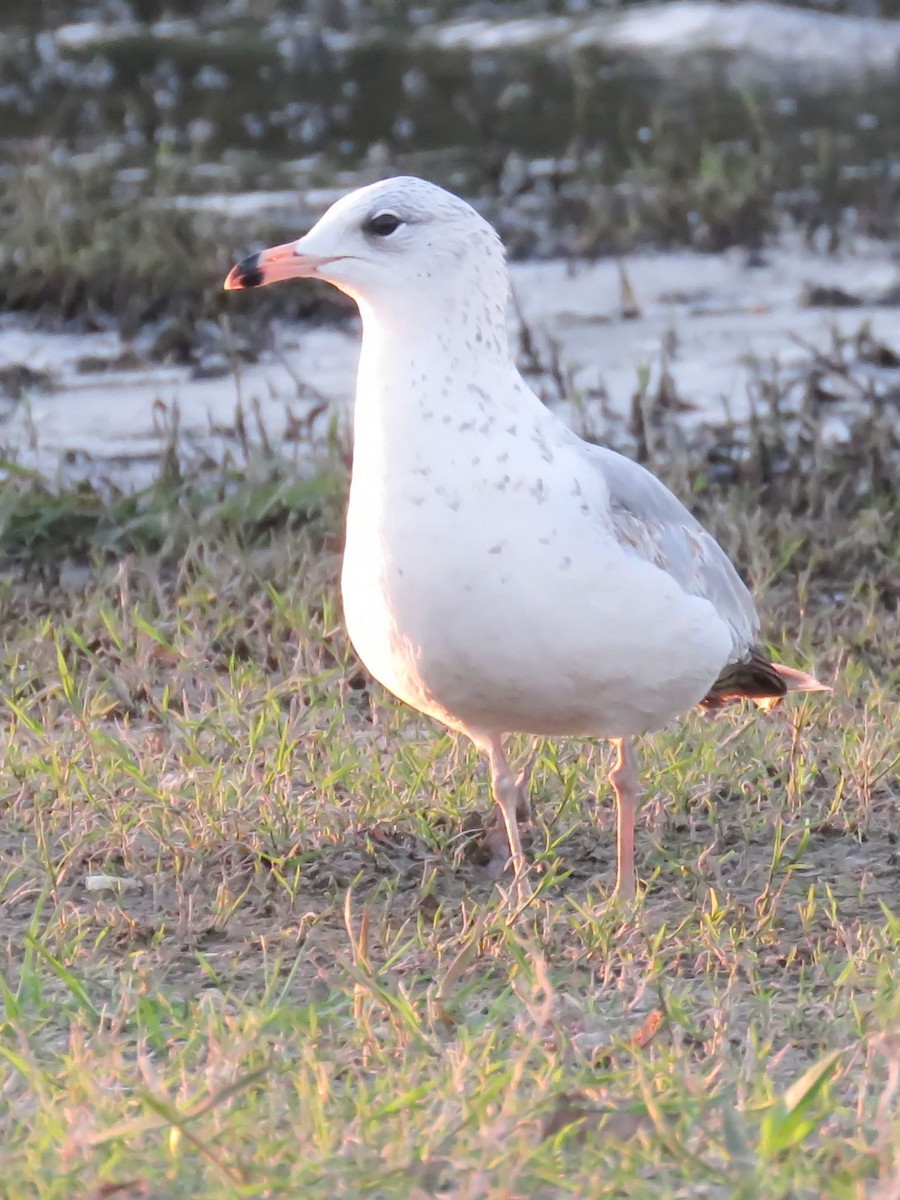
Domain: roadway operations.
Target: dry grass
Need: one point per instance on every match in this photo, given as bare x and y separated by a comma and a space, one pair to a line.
296, 978
80, 247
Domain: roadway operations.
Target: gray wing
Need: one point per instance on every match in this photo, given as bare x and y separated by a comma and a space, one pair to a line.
651, 522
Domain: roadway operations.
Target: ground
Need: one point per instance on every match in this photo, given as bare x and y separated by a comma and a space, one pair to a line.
250, 944
252, 948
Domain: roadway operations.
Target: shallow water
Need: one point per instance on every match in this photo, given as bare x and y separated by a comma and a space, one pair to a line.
716, 322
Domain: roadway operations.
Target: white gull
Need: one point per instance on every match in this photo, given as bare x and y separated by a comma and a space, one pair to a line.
500, 574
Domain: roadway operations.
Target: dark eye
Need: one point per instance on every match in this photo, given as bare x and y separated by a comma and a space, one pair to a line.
382, 224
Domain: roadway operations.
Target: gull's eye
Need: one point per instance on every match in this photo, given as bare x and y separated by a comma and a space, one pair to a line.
382, 224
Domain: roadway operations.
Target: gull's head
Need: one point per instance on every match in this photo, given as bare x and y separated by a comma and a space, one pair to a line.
393, 246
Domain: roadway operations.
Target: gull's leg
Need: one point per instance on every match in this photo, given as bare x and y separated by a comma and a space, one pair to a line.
508, 793
624, 778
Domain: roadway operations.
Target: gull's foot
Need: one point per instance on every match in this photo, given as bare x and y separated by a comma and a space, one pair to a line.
624, 898
493, 849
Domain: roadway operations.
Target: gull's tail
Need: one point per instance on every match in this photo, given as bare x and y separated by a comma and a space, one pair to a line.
799, 681
759, 679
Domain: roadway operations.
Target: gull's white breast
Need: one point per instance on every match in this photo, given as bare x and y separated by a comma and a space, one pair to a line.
483, 583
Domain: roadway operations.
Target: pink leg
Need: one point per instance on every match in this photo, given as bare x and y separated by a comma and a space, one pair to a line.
508, 796
624, 778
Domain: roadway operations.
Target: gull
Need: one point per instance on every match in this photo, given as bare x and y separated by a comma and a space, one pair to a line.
500, 574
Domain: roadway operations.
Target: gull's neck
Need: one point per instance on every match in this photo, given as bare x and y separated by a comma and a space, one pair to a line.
426, 367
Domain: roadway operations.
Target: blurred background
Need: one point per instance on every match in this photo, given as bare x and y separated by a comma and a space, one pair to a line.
700, 200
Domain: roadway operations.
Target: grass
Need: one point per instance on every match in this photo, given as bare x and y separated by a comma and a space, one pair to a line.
75, 248
40, 525
249, 945
80, 246
250, 950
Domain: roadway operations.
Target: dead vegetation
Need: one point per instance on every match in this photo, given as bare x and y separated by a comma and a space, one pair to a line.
81, 247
